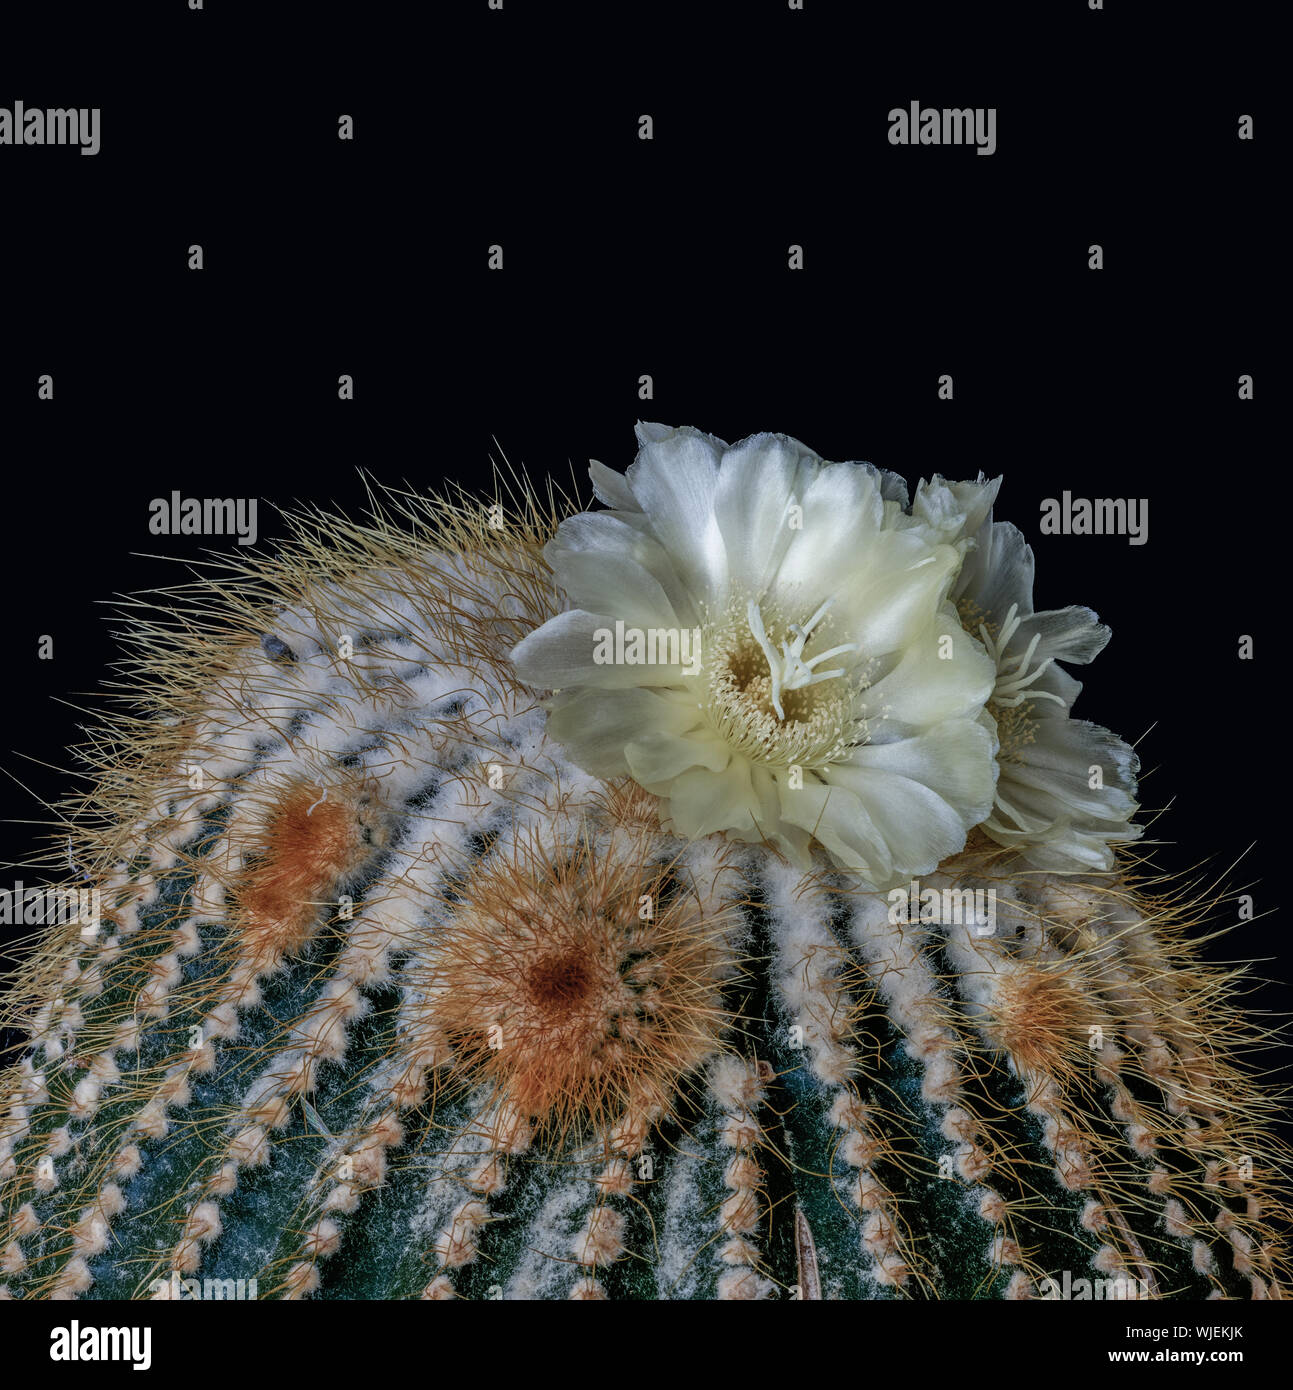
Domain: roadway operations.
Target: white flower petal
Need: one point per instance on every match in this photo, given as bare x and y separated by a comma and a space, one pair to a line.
997, 572
836, 817
949, 511
925, 687
611, 488
1058, 846
920, 828
561, 654
893, 486
674, 479
759, 480
770, 825
702, 802
924, 794
656, 758
1048, 810
649, 433
955, 759
898, 582
1066, 634
596, 726
1059, 764
608, 566
842, 512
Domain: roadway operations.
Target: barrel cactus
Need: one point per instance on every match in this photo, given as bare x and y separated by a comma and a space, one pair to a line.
708, 896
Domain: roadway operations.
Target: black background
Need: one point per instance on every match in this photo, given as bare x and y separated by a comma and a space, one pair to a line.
668, 258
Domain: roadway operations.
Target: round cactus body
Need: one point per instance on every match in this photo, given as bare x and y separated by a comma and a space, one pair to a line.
384, 994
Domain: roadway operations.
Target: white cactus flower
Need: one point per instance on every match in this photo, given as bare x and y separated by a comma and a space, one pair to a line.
1066, 789
764, 640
